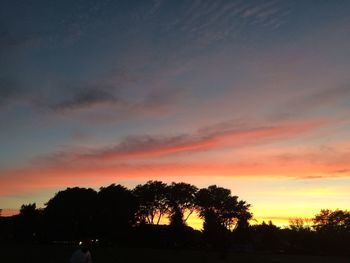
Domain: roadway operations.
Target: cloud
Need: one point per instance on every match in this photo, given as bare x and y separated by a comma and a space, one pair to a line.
87, 97
131, 159
158, 100
93, 174
334, 100
323, 98
90, 99
208, 138
328, 97
205, 20
47, 25
103, 98
225, 18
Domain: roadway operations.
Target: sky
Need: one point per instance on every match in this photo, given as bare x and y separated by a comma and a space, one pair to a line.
253, 96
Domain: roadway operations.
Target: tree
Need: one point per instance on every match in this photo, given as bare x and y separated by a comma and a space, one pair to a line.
299, 224
70, 214
152, 199
181, 200
267, 236
28, 222
116, 209
217, 204
221, 212
328, 220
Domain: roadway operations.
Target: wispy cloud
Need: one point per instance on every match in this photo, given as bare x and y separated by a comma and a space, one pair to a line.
131, 158
101, 99
208, 138
324, 98
52, 28
200, 21
225, 18
85, 98
29, 179
158, 100
330, 101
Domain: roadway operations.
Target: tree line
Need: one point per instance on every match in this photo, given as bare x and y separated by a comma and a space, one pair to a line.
114, 210
133, 217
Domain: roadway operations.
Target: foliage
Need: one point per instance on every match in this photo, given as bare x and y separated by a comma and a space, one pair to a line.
152, 198
180, 199
28, 222
299, 224
70, 213
114, 215
218, 205
116, 209
328, 220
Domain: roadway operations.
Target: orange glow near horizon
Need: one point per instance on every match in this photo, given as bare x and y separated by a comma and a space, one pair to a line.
281, 181
275, 199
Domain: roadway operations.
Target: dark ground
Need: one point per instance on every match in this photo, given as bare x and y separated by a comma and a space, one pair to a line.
60, 253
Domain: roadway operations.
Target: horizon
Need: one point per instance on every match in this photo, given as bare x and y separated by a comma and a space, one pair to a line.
194, 221
248, 95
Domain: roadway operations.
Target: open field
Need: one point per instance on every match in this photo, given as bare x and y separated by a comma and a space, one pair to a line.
56, 254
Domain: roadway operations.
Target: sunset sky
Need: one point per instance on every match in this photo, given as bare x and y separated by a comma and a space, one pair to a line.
253, 96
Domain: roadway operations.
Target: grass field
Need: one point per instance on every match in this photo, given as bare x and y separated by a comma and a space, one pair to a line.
56, 254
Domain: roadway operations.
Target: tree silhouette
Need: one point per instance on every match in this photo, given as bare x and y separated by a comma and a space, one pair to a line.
221, 213
267, 236
152, 199
28, 210
111, 215
181, 199
28, 222
70, 213
333, 229
299, 224
328, 220
116, 209
217, 204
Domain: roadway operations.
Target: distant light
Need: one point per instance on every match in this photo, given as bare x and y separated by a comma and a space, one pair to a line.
80, 242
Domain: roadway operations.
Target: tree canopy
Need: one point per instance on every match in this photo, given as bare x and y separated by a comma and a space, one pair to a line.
220, 206
134, 216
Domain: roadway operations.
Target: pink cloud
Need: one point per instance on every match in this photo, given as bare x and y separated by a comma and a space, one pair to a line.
306, 165
209, 138
132, 158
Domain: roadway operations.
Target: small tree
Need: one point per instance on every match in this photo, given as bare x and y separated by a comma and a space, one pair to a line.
299, 224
